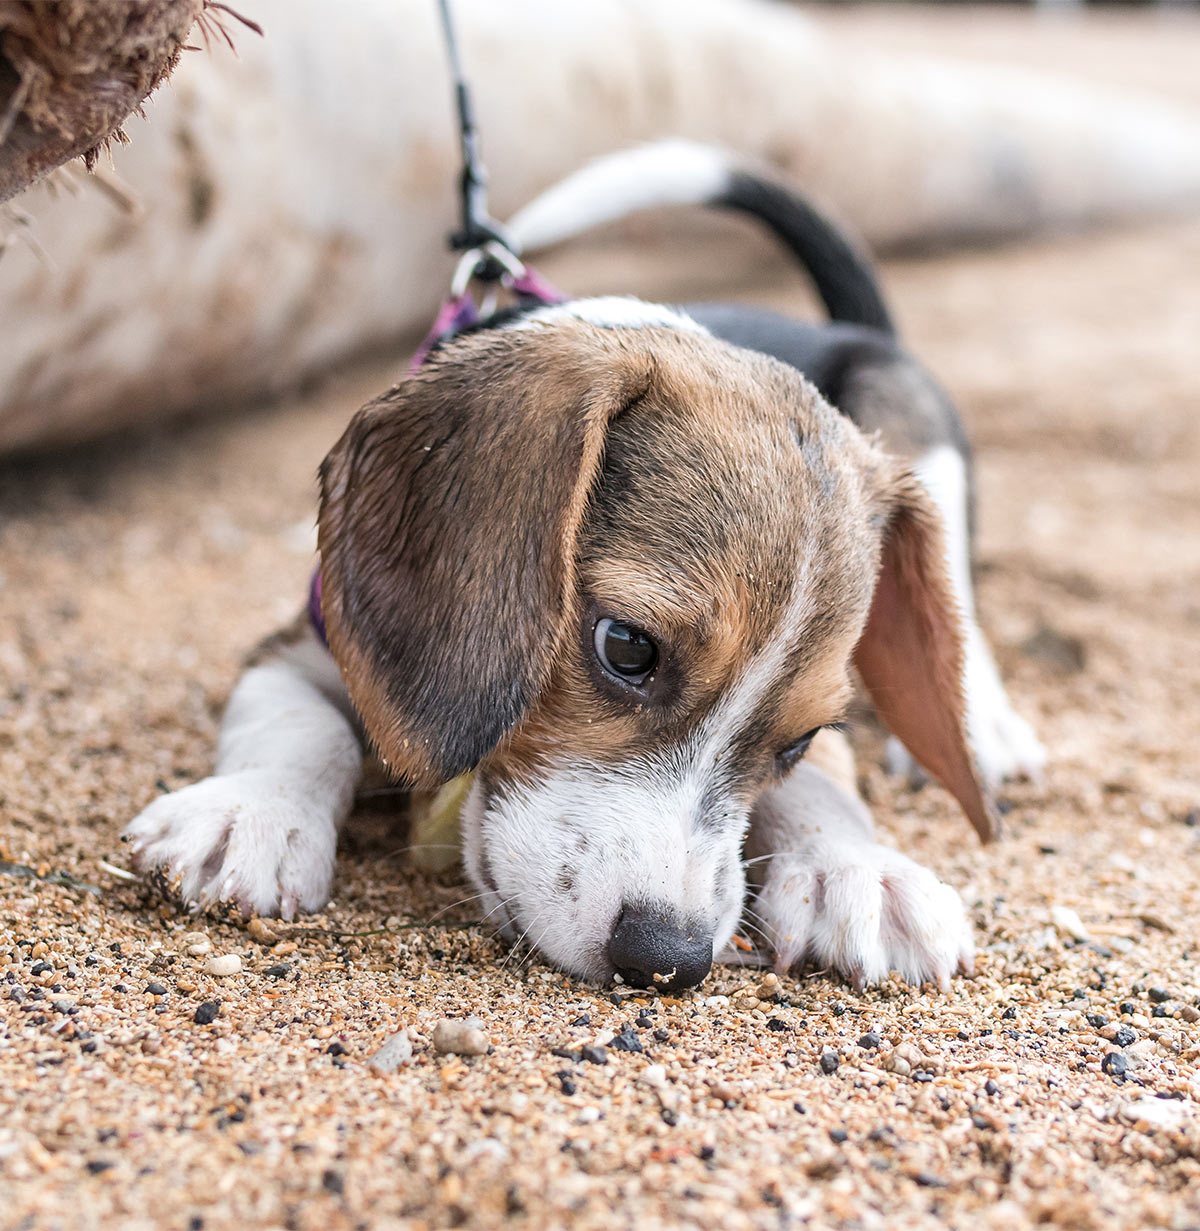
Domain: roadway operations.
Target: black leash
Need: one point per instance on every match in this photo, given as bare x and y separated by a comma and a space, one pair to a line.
479, 229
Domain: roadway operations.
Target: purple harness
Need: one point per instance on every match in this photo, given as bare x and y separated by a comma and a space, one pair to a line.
457, 313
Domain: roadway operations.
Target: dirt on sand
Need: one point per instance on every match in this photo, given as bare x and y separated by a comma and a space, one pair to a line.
1059, 1086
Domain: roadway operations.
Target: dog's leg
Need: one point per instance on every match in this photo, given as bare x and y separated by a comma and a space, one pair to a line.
832, 896
1004, 743
262, 831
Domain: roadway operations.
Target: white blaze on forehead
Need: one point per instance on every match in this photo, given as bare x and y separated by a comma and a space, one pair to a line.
745, 696
609, 312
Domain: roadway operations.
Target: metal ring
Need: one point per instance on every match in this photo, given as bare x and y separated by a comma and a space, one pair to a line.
464, 271
471, 260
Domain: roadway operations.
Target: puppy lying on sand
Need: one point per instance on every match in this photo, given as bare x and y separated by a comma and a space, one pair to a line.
620, 559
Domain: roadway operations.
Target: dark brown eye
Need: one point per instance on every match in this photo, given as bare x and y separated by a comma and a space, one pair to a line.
624, 651
786, 759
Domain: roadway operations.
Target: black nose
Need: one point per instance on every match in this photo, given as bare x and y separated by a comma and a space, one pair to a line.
649, 948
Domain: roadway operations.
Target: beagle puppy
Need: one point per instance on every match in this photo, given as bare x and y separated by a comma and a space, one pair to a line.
622, 560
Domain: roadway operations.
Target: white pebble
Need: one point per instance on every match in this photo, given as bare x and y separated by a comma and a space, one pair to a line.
459, 1038
1069, 922
394, 1054
653, 1075
1156, 1113
223, 964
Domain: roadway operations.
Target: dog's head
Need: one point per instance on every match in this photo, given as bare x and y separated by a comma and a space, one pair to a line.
625, 572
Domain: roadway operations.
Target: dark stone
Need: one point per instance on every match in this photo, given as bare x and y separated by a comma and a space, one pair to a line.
870, 1041
206, 1012
838, 1135
1114, 1064
332, 1182
991, 1087
1159, 995
280, 970
627, 1040
1063, 654
778, 1025
1125, 1036
829, 1061
155, 989
593, 1055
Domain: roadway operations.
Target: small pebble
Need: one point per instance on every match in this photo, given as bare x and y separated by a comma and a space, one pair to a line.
991, 1087
394, 1054
768, 989
1114, 1064
724, 1091
155, 989
1097, 1020
627, 1040
207, 1012
1190, 1013
870, 1041
653, 1075
829, 1061
1069, 923
223, 965
280, 970
1159, 995
459, 1038
838, 1135
593, 1054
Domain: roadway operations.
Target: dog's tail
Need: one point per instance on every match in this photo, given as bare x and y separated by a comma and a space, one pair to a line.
687, 173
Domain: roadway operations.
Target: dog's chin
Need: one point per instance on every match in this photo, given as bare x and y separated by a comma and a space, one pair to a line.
567, 914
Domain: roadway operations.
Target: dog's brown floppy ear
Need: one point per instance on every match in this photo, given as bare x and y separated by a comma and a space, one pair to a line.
449, 510
910, 655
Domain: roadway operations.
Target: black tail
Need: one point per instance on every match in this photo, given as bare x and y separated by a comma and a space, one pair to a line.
842, 275
679, 172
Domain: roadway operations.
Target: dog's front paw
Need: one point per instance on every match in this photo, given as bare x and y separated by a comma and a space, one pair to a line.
865, 910
246, 838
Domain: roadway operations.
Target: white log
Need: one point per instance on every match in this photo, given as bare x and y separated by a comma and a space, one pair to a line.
293, 200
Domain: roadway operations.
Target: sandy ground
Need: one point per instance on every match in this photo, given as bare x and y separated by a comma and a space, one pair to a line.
133, 577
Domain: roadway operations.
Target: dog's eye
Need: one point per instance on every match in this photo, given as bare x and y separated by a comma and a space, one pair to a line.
789, 756
624, 651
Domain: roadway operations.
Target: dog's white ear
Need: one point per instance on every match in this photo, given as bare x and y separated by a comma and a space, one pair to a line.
449, 513
910, 655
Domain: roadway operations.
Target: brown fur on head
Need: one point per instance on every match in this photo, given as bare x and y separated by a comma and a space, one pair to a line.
479, 518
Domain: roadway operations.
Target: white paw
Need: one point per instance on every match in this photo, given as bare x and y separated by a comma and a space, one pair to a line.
865, 910
247, 838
